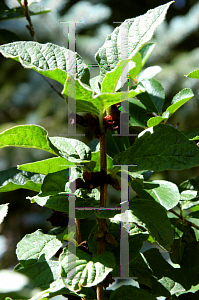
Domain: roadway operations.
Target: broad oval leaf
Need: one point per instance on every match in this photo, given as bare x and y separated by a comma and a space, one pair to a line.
37, 245
134, 33
83, 270
179, 99
164, 192
160, 148
14, 179
26, 136
59, 201
48, 59
55, 182
153, 217
70, 149
46, 166
42, 273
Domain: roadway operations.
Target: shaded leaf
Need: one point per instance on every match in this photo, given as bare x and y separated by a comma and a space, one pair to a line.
17, 12
160, 148
14, 179
154, 97
7, 36
152, 216
161, 268
146, 51
129, 292
41, 273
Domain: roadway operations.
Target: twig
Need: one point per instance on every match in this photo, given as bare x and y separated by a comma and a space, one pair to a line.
184, 220
32, 33
30, 26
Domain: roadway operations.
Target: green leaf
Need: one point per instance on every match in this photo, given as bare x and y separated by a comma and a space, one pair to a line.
83, 270
190, 184
164, 192
134, 33
111, 80
58, 288
116, 144
35, 246
149, 73
3, 211
87, 101
152, 216
179, 99
17, 12
129, 292
160, 148
55, 182
48, 59
141, 270
26, 136
146, 51
188, 199
156, 120
154, 97
137, 112
161, 268
137, 59
94, 83
41, 273
59, 202
95, 156
192, 134
73, 150
13, 179
194, 74
47, 166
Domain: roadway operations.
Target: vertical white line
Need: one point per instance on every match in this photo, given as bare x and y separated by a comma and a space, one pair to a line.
124, 235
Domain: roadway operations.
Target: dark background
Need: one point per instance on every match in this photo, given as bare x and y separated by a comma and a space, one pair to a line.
27, 99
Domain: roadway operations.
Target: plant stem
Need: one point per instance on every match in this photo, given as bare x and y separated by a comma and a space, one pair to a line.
103, 196
78, 232
182, 220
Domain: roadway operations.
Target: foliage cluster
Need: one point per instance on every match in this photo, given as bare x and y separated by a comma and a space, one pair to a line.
160, 212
